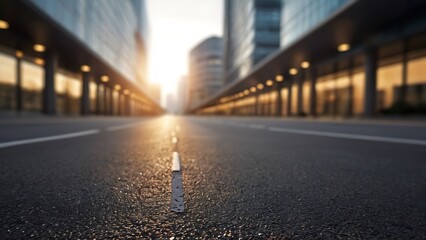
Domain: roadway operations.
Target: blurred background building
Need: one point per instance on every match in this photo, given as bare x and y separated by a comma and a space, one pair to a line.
336, 58
183, 95
72, 57
251, 32
205, 70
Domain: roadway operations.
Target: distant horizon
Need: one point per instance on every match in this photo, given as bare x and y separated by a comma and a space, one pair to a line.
189, 22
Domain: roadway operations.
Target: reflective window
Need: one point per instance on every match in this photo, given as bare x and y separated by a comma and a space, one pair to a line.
68, 94
7, 82
389, 81
416, 81
32, 86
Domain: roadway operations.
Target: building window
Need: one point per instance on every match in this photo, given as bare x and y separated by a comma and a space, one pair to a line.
7, 82
32, 86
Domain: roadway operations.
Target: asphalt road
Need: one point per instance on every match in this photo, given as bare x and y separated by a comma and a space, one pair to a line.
242, 178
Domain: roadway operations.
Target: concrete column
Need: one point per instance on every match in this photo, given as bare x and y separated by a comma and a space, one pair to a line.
85, 101
370, 82
18, 84
300, 93
119, 108
313, 93
403, 96
49, 96
98, 97
289, 112
111, 101
279, 101
105, 100
350, 91
256, 104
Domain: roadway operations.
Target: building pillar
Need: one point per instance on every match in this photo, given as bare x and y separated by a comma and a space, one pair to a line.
289, 100
18, 96
111, 101
370, 82
107, 107
119, 107
256, 104
403, 94
85, 101
313, 93
279, 101
49, 96
98, 97
300, 93
350, 102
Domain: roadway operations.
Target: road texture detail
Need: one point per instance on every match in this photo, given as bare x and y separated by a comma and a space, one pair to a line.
241, 179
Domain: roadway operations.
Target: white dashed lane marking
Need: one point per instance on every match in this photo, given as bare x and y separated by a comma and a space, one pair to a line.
49, 138
177, 201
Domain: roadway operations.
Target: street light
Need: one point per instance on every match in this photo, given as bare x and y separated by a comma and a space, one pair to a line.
293, 71
305, 64
85, 68
39, 48
4, 24
344, 47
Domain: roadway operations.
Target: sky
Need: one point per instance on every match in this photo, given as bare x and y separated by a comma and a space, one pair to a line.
175, 27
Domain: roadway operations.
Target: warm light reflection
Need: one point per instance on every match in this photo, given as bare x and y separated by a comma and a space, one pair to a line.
305, 64
39, 48
279, 78
293, 71
253, 89
260, 86
19, 54
4, 24
104, 78
117, 87
39, 61
246, 92
126, 92
344, 47
269, 83
85, 68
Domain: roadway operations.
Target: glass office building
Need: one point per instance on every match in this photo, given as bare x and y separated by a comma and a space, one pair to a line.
340, 58
205, 70
107, 37
251, 33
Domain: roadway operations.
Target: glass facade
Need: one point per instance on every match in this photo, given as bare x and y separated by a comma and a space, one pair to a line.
7, 82
300, 16
251, 33
205, 70
68, 94
107, 27
32, 86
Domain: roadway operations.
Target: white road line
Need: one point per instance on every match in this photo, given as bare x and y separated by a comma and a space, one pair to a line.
177, 203
121, 127
50, 138
175, 162
256, 126
350, 136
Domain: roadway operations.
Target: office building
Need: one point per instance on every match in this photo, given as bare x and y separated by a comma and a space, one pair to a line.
74, 57
205, 70
340, 58
251, 33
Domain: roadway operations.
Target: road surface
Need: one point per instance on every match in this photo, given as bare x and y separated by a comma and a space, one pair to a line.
242, 178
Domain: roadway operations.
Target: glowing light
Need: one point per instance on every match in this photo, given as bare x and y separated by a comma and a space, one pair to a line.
344, 47
305, 64
39, 48
4, 24
269, 83
279, 78
253, 89
241, 94
246, 92
85, 68
260, 86
39, 61
293, 71
19, 54
126, 92
105, 78
117, 87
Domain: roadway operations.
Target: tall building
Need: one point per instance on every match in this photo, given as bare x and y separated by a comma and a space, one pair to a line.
251, 32
205, 70
182, 95
334, 60
71, 57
